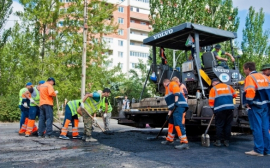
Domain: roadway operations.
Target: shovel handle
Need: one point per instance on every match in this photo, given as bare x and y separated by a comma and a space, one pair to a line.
209, 124
93, 119
165, 124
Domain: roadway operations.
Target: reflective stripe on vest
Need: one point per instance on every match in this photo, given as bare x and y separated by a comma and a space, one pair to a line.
91, 106
170, 99
73, 106
20, 95
104, 105
36, 98
217, 95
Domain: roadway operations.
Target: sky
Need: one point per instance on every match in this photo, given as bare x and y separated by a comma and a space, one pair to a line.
242, 5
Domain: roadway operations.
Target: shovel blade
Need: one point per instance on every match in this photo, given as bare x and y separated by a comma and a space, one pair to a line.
205, 140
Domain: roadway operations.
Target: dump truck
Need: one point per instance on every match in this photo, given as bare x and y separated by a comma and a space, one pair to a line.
195, 73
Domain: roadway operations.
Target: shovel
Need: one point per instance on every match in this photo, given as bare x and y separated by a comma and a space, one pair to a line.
205, 136
155, 138
105, 132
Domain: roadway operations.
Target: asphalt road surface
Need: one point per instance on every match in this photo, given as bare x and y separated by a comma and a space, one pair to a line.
127, 147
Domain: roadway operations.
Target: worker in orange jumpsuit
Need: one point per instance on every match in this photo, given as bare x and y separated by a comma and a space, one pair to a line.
175, 101
221, 101
266, 71
256, 98
46, 108
25, 108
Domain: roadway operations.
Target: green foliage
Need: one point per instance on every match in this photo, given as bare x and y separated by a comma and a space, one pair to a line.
5, 11
254, 44
214, 13
10, 109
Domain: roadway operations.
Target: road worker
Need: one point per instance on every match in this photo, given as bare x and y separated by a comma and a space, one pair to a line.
90, 104
34, 109
221, 101
25, 107
175, 101
218, 55
71, 115
256, 99
266, 71
106, 109
46, 108
27, 86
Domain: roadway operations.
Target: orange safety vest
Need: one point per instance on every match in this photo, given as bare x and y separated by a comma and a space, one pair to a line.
221, 97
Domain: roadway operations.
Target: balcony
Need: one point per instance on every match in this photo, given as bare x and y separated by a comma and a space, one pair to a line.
139, 16
136, 37
139, 48
140, 4
137, 26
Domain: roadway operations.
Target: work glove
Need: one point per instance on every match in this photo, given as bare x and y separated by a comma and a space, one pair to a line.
82, 105
56, 92
95, 120
32, 100
167, 117
25, 105
104, 115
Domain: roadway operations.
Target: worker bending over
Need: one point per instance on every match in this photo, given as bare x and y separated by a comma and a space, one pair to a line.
71, 115
90, 105
177, 105
221, 101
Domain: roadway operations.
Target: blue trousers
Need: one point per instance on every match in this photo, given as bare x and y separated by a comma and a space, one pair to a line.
45, 120
68, 115
22, 119
33, 112
177, 120
223, 64
259, 124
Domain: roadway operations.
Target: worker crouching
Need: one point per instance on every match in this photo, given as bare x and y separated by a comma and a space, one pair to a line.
177, 105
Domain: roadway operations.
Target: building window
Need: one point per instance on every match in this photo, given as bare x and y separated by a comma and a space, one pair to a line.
132, 21
120, 9
107, 40
143, 23
132, 43
138, 9
133, 65
138, 54
110, 64
120, 54
131, 8
121, 65
142, 45
120, 43
120, 20
120, 32
144, 1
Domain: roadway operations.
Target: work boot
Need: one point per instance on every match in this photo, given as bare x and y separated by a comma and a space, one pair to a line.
83, 137
182, 146
90, 139
77, 137
63, 137
27, 135
167, 142
40, 136
217, 143
226, 143
253, 153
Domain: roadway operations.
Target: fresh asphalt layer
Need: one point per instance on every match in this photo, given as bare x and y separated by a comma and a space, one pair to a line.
127, 147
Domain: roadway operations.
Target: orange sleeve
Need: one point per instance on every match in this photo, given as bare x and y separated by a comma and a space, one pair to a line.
234, 94
51, 91
212, 96
249, 88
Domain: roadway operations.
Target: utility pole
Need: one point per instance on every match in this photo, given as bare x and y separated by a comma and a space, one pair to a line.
85, 27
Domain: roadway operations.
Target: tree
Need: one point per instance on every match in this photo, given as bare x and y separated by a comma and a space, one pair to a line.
254, 44
214, 13
5, 11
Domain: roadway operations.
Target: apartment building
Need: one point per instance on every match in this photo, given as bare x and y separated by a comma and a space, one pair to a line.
127, 47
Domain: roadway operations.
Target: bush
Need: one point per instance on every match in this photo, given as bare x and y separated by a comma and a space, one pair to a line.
9, 108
